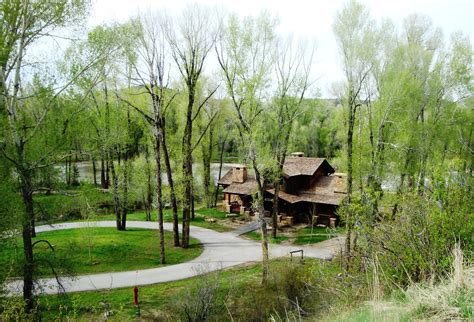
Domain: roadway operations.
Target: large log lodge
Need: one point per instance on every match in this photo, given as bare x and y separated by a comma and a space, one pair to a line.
311, 191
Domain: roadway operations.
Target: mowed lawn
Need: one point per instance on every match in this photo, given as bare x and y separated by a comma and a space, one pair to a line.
94, 250
305, 236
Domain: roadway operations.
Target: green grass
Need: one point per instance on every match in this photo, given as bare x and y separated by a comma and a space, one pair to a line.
94, 250
153, 298
59, 208
66, 207
314, 235
199, 220
212, 212
301, 237
240, 291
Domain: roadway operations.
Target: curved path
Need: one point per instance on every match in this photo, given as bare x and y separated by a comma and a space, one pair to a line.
221, 250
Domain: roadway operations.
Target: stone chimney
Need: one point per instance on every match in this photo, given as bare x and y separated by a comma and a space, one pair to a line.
239, 174
297, 154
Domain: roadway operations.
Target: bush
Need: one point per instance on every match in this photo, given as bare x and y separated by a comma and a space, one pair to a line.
293, 290
199, 302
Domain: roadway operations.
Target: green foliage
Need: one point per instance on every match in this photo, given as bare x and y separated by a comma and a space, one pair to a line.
416, 245
69, 204
200, 301
315, 133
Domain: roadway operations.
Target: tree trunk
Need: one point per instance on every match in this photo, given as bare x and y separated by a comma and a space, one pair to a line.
148, 200
206, 162
28, 265
116, 197
107, 172
350, 133
187, 169
275, 210
263, 224
159, 197
169, 174
126, 178
221, 157
94, 171
102, 174
126, 173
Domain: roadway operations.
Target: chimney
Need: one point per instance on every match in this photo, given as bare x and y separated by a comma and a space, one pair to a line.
297, 154
239, 174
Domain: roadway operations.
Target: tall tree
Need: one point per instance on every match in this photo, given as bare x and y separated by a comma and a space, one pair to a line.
353, 31
116, 133
191, 39
32, 20
245, 53
153, 78
292, 69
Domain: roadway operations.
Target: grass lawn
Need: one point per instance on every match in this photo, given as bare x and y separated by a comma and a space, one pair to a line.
212, 212
314, 235
168, 217
94, 250
301, 237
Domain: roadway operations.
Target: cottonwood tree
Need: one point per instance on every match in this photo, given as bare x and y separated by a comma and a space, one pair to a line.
25, 23
154, 79
292, 69
191, 37
353, 29
245, 53
381, 91
210, 111
439, 82
115, 130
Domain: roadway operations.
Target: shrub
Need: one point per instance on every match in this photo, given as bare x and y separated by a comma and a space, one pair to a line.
199, 302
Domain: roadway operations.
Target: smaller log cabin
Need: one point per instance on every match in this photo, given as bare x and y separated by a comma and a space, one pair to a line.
311, 191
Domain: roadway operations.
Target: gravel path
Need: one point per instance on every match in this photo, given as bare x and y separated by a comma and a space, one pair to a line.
221, 250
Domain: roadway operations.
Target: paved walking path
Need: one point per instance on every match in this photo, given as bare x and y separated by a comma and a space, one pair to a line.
221, 250
251, 226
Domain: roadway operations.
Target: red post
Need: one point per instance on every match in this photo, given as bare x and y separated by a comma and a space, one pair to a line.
135, 295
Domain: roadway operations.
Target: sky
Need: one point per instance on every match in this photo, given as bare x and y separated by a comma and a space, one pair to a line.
307, 19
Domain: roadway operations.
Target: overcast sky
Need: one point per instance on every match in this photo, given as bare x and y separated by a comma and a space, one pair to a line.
308, 19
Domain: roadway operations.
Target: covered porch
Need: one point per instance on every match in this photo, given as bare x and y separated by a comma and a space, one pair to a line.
305, 212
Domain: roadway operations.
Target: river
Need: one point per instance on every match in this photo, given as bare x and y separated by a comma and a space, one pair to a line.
86, 173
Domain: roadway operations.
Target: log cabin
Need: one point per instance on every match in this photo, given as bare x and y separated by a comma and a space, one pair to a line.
311, 191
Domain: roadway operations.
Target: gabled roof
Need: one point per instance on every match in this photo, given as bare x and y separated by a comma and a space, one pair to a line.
226, 179
329, 190
249, 187
297, 166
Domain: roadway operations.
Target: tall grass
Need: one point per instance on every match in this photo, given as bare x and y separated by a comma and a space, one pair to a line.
450, 299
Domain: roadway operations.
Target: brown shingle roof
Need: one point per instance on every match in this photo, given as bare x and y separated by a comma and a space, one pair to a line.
297, 166
327, 190
226, 179
249, 187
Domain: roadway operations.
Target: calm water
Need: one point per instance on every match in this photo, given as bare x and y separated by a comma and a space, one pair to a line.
86, 171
